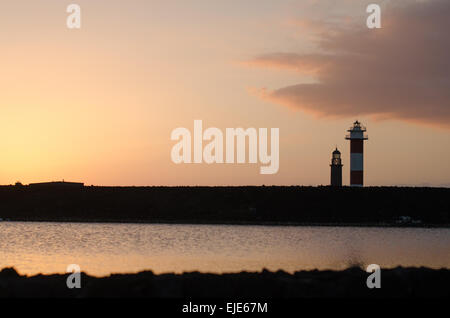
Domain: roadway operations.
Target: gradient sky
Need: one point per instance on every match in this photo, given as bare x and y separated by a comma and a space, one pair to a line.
98, 104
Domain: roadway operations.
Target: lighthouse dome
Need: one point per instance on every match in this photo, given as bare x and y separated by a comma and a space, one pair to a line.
336, 152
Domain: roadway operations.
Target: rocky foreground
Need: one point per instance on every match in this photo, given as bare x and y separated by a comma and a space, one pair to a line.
398, 282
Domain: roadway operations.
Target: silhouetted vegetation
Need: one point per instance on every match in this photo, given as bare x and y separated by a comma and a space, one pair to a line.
258, 205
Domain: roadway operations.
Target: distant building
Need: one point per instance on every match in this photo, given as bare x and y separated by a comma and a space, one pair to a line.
357, 136
57, 185
336, 169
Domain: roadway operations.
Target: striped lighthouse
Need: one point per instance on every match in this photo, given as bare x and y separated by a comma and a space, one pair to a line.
357, 136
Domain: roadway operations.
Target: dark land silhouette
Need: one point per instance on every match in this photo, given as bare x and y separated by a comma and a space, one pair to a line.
397, 282
224, 205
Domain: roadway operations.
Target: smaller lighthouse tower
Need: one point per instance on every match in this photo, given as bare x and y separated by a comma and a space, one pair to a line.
336, 169
357, 136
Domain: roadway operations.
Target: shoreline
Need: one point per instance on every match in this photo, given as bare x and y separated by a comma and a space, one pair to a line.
399, 282
252, 205
240, 223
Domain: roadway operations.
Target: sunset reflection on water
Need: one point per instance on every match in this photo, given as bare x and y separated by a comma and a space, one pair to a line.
101, 249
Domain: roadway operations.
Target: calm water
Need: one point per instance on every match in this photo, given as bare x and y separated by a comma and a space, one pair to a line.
101, 249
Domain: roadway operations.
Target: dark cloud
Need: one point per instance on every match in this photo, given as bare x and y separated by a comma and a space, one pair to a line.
400, 71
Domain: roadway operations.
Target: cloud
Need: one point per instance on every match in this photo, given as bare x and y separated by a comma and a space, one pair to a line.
400, 71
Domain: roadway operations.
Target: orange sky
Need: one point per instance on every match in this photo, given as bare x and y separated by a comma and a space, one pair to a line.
98, 104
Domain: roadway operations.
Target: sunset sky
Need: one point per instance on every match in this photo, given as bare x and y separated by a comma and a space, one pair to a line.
98, 104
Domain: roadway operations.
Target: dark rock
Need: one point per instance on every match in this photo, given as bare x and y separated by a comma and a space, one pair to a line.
350, 283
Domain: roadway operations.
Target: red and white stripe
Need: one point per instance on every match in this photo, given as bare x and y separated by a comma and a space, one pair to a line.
357, 138
356, 162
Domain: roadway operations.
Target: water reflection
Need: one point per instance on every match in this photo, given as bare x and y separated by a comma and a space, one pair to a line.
101, 249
